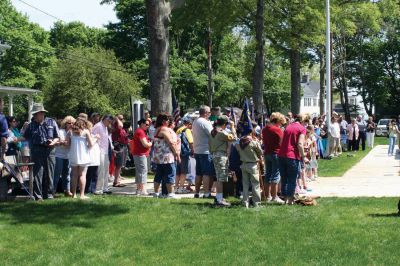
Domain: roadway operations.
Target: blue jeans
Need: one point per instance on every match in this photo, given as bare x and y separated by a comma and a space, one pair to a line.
272, 168
289, 169
166, 173
392, 144
204, 165
63, 170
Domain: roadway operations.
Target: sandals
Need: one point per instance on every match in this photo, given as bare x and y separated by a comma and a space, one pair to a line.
119, 185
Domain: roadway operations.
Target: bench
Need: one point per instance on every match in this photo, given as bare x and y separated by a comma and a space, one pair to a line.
11, 168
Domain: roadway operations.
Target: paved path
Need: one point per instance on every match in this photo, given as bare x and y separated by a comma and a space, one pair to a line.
376, 175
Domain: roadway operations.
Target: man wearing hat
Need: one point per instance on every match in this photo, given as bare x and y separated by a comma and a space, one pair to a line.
42, 134
219, 142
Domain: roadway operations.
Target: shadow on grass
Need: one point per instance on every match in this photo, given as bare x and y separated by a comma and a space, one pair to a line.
380, 215
208, 204
63, 214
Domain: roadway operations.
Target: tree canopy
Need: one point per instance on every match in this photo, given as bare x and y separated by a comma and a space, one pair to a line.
99, 69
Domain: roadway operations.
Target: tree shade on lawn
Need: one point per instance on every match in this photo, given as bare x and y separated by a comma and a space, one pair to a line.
136, 231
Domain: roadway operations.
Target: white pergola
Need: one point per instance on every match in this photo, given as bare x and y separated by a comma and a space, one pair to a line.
10, 92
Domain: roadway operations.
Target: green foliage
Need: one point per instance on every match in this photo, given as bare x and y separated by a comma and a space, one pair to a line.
221, 16
104, 86
128, 37
276, 82
295, 24
24, 65
75, 34
231, 81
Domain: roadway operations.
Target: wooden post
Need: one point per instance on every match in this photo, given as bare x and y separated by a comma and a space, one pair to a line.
11, 105
30, 105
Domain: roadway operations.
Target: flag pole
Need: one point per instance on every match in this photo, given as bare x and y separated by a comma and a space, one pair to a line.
328, 70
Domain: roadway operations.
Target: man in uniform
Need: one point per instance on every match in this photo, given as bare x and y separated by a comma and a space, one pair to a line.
42, 134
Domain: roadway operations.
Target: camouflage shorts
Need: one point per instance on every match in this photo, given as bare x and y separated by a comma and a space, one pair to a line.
221, 166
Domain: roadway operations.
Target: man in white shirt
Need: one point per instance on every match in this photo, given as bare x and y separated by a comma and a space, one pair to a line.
205, 171
101, 130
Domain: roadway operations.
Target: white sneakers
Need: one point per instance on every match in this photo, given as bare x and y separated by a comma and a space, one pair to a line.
141, 193
277, 200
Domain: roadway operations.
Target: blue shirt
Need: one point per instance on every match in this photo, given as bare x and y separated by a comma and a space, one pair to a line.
234, 159
3, 126
40, 134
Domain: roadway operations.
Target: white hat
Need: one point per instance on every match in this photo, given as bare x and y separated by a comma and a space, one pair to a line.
38, 107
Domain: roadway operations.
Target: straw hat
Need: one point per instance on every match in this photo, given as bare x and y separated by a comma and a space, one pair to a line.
37, 107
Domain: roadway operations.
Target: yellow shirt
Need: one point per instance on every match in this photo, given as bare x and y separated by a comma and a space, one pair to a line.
188, 133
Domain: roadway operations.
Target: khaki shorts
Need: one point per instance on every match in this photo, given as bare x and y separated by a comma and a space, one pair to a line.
221, 167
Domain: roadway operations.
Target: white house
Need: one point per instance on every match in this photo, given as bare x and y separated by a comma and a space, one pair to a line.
310, 96
354, 100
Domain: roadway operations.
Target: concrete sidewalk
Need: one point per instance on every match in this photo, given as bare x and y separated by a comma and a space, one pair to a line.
376, 175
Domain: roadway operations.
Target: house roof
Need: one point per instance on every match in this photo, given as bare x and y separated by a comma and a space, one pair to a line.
15, 91
311, 88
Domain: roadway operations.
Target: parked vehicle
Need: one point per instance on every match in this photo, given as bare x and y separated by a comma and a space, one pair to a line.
381, 128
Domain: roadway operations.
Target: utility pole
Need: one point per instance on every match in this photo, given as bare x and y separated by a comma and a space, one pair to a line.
209, 68
328, 70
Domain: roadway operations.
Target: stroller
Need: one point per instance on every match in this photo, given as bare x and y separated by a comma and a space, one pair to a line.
13, 169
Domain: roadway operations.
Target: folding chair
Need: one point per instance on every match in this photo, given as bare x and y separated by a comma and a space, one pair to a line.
13, 168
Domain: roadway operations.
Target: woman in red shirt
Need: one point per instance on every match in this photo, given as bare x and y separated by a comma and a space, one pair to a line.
290, 154
140, 149
272, 135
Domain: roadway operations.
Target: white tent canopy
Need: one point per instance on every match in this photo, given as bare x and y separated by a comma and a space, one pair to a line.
12, 91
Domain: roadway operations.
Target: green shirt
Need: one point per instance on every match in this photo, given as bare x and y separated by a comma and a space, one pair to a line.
251, 153
219, 143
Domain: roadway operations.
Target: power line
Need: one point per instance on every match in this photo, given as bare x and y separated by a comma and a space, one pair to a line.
38, 9
67, 57
61, 20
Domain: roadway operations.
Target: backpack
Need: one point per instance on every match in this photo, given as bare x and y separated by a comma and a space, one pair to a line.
185, 147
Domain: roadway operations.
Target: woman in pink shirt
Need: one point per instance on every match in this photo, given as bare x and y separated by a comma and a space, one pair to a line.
290, 155
352, 135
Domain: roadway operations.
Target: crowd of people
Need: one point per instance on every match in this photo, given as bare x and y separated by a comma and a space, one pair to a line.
275, 161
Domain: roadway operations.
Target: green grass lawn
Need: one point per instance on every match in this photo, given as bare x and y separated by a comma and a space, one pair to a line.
381, 141
339, 165
132, 231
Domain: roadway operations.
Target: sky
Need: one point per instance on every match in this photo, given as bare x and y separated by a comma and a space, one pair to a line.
89, 12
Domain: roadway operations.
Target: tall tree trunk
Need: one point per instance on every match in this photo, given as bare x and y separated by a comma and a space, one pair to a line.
295, 80
158, 12
210, 83
344, 89
258, 70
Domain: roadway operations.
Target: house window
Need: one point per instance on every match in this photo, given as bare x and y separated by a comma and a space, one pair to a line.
314, 102
352, 101
307, 101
